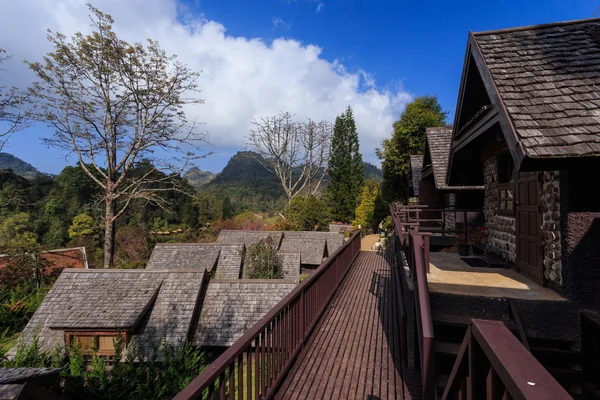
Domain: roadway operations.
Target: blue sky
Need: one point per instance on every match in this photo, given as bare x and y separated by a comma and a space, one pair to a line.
390, 51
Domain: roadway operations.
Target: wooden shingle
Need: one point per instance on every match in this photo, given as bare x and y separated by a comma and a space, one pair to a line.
151, 303
229, 265
201, 256
230, 308
334, 240
416, 164
291, 266
548, 78
248, 238
312, 251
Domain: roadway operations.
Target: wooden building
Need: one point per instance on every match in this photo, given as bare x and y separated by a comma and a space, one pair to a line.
527, 127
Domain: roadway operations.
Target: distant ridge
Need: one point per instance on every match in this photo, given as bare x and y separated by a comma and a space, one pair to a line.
18, 166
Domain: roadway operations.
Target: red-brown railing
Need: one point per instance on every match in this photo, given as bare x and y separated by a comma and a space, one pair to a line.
255, 365
416, 251
590, 347
493, 364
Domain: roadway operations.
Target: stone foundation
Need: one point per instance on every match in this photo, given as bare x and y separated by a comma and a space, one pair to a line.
550, 207
501, 231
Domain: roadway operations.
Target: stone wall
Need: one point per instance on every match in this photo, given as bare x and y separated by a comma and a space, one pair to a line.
500, 230
551, 226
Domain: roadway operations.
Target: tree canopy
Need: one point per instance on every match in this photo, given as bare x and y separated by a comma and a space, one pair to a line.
408, 138
346, 168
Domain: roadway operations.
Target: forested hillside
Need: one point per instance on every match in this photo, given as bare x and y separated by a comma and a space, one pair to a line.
18, 166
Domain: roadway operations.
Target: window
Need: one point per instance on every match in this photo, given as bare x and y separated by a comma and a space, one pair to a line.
506, 184
102, 342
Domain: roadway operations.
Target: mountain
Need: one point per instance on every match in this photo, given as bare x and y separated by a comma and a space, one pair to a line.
248, 184
372, 172
197, 177
18, 166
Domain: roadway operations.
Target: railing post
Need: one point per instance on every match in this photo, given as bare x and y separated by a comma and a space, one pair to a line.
426, 241
302, 319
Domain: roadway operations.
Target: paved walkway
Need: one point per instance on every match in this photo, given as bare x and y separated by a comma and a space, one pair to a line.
354, 351
368, 241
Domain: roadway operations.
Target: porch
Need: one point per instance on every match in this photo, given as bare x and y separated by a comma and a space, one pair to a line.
449, 273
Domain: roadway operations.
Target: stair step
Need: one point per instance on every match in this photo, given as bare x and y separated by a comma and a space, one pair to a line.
447, 348
463, 320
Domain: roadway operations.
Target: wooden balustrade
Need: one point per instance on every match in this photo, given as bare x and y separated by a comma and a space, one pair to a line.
493, 364
415, 246
255, 365
590, 346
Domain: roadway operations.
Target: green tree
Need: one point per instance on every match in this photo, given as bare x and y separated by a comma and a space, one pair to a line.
309, 213
113, 105
346, 168
82, 226
264, 262
365, 212
16, 235
408, 138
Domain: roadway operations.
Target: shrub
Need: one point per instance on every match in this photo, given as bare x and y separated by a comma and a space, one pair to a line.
263, 261
18, 304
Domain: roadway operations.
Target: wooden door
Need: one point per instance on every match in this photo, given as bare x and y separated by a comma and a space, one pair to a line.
529, 220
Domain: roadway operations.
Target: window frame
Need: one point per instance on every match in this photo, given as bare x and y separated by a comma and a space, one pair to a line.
505, 187
96, 339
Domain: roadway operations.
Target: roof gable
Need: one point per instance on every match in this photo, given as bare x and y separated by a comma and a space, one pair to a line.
311, 251
229, 265
543, 82
334, 240
437, 153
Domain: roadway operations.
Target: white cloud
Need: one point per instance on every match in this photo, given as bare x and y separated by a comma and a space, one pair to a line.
242, 78
320, 6
280, 23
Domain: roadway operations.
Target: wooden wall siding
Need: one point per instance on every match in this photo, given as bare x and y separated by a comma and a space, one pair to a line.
98, 292
501, 231
248, 237
551, 226
199, 256
311, 251
548, 79
229, 265
428, 195
335, 240
231, 308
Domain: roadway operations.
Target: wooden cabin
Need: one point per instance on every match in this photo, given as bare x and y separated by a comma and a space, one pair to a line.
527, 127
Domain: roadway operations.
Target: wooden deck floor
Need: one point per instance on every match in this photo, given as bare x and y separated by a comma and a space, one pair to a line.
354, 352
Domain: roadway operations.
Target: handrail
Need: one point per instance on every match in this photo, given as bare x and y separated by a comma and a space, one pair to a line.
590, 347
255, 365
492, 363
416, 249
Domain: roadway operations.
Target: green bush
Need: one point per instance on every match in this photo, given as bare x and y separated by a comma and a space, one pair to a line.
263, 261
98, 378
18, 304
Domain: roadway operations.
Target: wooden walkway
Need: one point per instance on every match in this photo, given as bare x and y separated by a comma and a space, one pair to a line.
354, 352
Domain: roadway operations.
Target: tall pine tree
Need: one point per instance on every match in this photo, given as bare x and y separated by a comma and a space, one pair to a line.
346, 169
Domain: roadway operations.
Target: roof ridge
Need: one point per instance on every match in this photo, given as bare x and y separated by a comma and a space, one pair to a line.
135, 271
535, 27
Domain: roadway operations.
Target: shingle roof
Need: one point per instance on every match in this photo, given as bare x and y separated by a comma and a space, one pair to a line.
11, 391
19, 375
548, 78
229, 265
247, 237
107, 299
199, 256
311, 250
230, 308
334, 239
291, 266
438, 145
416, 164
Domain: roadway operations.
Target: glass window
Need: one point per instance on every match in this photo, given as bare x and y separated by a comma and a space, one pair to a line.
87, 342
106, 343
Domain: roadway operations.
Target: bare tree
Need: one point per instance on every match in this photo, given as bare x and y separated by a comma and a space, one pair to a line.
295, 152
12, 108
115, 105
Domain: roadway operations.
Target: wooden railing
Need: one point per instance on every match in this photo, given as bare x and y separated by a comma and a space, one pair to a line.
416, 250
590, 347
493, 364
255, 365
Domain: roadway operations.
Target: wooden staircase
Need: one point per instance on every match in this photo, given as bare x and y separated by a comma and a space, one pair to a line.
564, 364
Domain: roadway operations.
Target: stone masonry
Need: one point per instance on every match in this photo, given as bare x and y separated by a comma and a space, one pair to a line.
501, 230
550, 207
